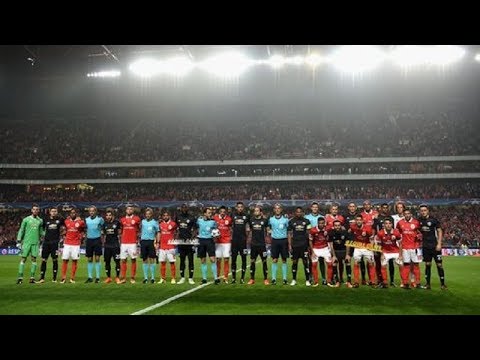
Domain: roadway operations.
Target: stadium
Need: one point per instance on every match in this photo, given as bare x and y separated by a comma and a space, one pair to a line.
239, 179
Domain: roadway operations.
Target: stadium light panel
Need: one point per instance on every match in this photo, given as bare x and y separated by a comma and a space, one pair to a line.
226, 65
477, 57
276, 61
296, 60
145, 67
357, 58
105, 74
177, 66
313, 60
443, 55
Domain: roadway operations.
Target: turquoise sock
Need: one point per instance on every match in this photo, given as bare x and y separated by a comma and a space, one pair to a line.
284, 271
97, 269
274, 271
90, 269
152, 270
204, 271
213, 266
145, 270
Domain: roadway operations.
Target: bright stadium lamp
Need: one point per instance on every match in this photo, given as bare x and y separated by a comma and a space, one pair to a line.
444, 55
477, 57
276, 61
354, 59
410, 55
145, 67
313, 60
177, 66
226, 65
296, 60
105, 74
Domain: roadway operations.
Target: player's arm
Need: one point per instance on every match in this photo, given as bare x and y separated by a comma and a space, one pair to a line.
349, 238
21, 232
289, 236
439, 238
332, 250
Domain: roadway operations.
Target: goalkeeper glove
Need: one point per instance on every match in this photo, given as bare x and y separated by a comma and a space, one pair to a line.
19, 245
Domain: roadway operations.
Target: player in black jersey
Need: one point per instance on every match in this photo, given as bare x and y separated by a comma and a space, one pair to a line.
258, 227
299, 228
187, 225
239, 240
338, 237
432, 236
111, 231
54, 227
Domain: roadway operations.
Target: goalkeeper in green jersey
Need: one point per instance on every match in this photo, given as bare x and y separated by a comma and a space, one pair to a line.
28, 241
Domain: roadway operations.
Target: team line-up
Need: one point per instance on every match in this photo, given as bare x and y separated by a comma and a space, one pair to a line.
331, 242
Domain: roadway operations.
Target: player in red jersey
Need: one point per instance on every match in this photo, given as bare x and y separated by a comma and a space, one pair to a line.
410, 248
369, 216
129, 242
332, 216
223, 243
168, 228
75, 232
388, 237
364, 234
320, 247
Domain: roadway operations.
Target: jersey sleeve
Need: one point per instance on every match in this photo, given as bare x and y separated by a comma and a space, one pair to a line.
309, 224
21, 231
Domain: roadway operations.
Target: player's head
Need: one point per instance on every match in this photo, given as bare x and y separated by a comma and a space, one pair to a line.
337, 225
399, 208
257, 211
73, 213
314, 208
334, 210
424, 210
240, 207
321, 222
384, 208
148, 213
35, 209
207, 212
359, 220
298, 212
129, 210
277, 209
222, 210
53, 211
92, 211
367, 205
352, 207
388, 224
109, 215
165, 215
184, 209
408, 214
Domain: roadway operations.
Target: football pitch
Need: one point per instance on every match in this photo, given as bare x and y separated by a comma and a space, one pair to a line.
462, 278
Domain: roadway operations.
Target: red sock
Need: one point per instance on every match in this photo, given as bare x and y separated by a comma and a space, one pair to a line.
74, 268
64, 268
416, 271
134, 269
226, 268
371, 272
315, 272
123, 269
329, 272
405, 273
384, 274
219, 264
163, 269
356, 273
173, 270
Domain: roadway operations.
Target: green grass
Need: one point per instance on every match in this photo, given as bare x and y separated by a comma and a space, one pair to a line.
462, 274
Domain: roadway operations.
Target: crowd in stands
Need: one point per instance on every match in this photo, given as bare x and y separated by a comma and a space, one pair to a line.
243, 170
244, 191
238, 134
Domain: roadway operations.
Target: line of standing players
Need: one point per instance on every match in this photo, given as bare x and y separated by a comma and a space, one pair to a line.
315, 239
